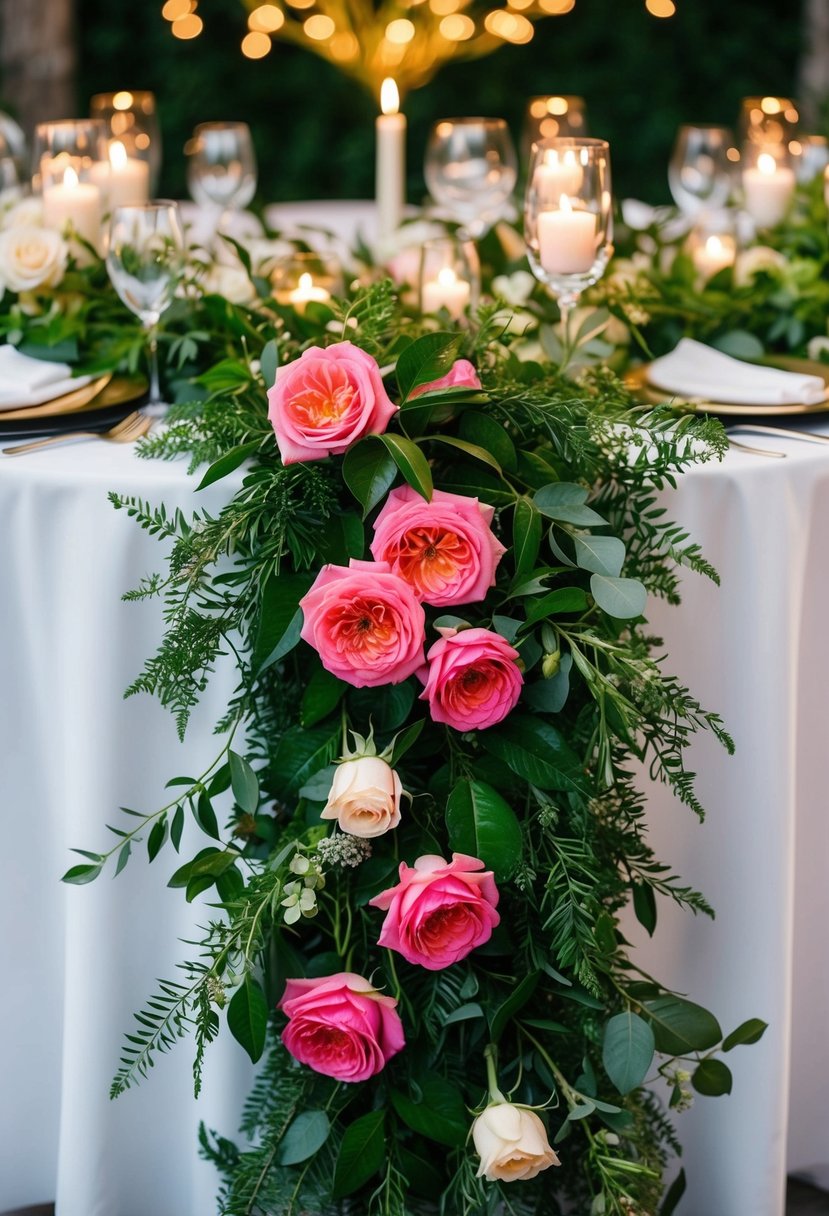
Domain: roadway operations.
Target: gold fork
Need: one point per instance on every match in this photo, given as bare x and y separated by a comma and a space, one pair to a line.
128, 429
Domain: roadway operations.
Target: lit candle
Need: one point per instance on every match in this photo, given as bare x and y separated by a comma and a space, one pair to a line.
566, 239
76, 203
446, 291
306, 291
125, 181
715, 254
826, 185
557, 175
768, 190
391, 161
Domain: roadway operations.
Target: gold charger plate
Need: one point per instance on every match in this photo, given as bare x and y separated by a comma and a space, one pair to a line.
636, 380
103, 391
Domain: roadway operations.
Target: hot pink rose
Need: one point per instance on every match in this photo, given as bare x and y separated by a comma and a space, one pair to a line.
365, 623
444, 548
439, 911
340, 1026
326, 400
461, 375
472, 680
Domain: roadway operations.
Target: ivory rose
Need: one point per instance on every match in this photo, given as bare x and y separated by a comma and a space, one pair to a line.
462, 374
326, 400
364, 623
31, 257
472, 679
439, 911
365, 797
512, 1143
444, 549
341, 1026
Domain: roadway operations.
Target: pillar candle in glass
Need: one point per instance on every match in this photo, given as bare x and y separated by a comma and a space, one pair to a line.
768, 183
712, 243
768, 120
449, 276
390, 175
70, 169
569, 237
302, 278
131, 118
125, 180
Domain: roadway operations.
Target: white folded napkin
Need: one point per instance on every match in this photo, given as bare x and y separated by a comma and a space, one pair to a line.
26, 381
696, 370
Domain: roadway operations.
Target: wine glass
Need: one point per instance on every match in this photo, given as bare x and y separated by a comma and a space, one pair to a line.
144, 261
471, 169
551, 116
700, 173
568, 217
221, 166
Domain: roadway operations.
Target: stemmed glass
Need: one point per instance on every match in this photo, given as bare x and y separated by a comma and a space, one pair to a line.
700, 169
568, 217
144, 260
221, 166
471, 169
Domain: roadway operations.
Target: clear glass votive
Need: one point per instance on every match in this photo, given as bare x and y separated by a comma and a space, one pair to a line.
300, 278
768, 120
768, 181
701, 169
134, 134
71, 171
450, 277
712, 243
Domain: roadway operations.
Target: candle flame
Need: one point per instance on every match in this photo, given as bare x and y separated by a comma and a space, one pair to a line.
305, 282
70, 178
447, 277
117, 154
564, 204
713, 245
389, 97
766, 163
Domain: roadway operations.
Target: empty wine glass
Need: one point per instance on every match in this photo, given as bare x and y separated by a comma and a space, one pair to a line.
568, 217
700, 169
221, 167
471, 169
144, 261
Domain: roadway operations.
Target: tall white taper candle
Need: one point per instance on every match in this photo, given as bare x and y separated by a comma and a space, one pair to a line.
391, 161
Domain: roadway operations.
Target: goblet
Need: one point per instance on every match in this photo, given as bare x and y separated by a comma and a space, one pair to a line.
144, 261
221, 166
568, 217
471, 170
700, 169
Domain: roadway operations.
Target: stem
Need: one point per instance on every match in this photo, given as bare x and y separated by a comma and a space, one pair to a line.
490, 1054
155, 387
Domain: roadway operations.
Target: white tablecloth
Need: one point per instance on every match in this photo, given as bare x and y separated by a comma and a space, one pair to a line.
78, 961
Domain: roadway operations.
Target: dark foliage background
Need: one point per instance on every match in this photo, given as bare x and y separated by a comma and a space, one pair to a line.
313, 127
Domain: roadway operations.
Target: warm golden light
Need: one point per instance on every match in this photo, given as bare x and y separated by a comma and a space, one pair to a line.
766, 164
791, 115
457, 27
660, 8
174, 10
556, 8
344, 47
400, 31
255, 45
796, 147
122, 100
443, 8
302, 3
70, 177
187, 27
117, 154
558, 105
509, 26
389, 97
771, 105
266, 19
520, 4
733, 154
319, 27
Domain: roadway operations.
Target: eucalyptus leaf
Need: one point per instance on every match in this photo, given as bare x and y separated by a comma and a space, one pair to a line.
305, 1137
627, 1050
623, 598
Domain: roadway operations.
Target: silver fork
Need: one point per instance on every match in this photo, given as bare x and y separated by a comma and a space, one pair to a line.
126, 431
744, 447
760, 428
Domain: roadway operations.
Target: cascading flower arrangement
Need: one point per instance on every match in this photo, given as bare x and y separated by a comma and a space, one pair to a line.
439, 564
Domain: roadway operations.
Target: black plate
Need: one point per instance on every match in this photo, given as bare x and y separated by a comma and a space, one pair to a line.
100, 419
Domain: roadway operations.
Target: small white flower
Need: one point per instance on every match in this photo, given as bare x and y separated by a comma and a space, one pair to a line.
231, 282
752, 261
514, 289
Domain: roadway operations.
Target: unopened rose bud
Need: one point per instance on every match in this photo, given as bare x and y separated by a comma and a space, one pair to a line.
550, 664
512, 1143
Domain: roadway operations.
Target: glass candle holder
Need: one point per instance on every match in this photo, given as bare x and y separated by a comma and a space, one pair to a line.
131, 120
300, 278
568, 216
712, 243
700, 172
71, 170
450, 277
13, 142
552, 116
471, 169
768, 120
812, 157
768, 182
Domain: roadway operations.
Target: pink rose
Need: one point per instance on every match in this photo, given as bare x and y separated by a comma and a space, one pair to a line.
326, 400
472, 680
439, 911
364, 623
340, 1026
444, 549
461, 375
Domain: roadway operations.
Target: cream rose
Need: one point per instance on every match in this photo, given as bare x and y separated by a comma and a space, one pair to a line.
512, 1143
365, 797
31, 257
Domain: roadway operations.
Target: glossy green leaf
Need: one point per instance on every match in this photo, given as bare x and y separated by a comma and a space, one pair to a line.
644, 905
550, 696
362, 1152
680, 1027
559, 494
78, 875
426, 359
562, 602
439, 1115
247, 1019
244, 783
486, 432
623, 598
206, 816
712, 1078
321, 696
305, 1137
368, 471
280, 618
156, 838
536, 751
406, 739
300, 753
526, 536
410, 461
749, 1032
627, 1050
600, 554
227, 463
177, 827
514, 1003
673, 1195
481, 824
464, 1013
269, 362
469, 449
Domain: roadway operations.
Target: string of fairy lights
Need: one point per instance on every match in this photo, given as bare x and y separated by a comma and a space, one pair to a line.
409, 39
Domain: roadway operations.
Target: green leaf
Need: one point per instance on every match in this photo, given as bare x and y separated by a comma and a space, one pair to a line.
484, 431
247, 1019
227, 463
244, 783
78, 875
300, 753
368, 471
627, 1050
740, 344
673, 1195
712, 1078
558, 494
623, 598
123, 857
749, 1032
319, 786
387, 708
157, 837
681, 1027
422, 1175
280, 618
410, 461
514, 1002
536, 751
644, 905
306, 1136
362, 1152
469, 449
440, 1114
177, 827
205, 816
342, 539
526, 536
209, 863
406, 739
578, 516
550, 696
322, 694
269, 362
481, 824
600, 554
426, 359
465, 1013
562, 601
